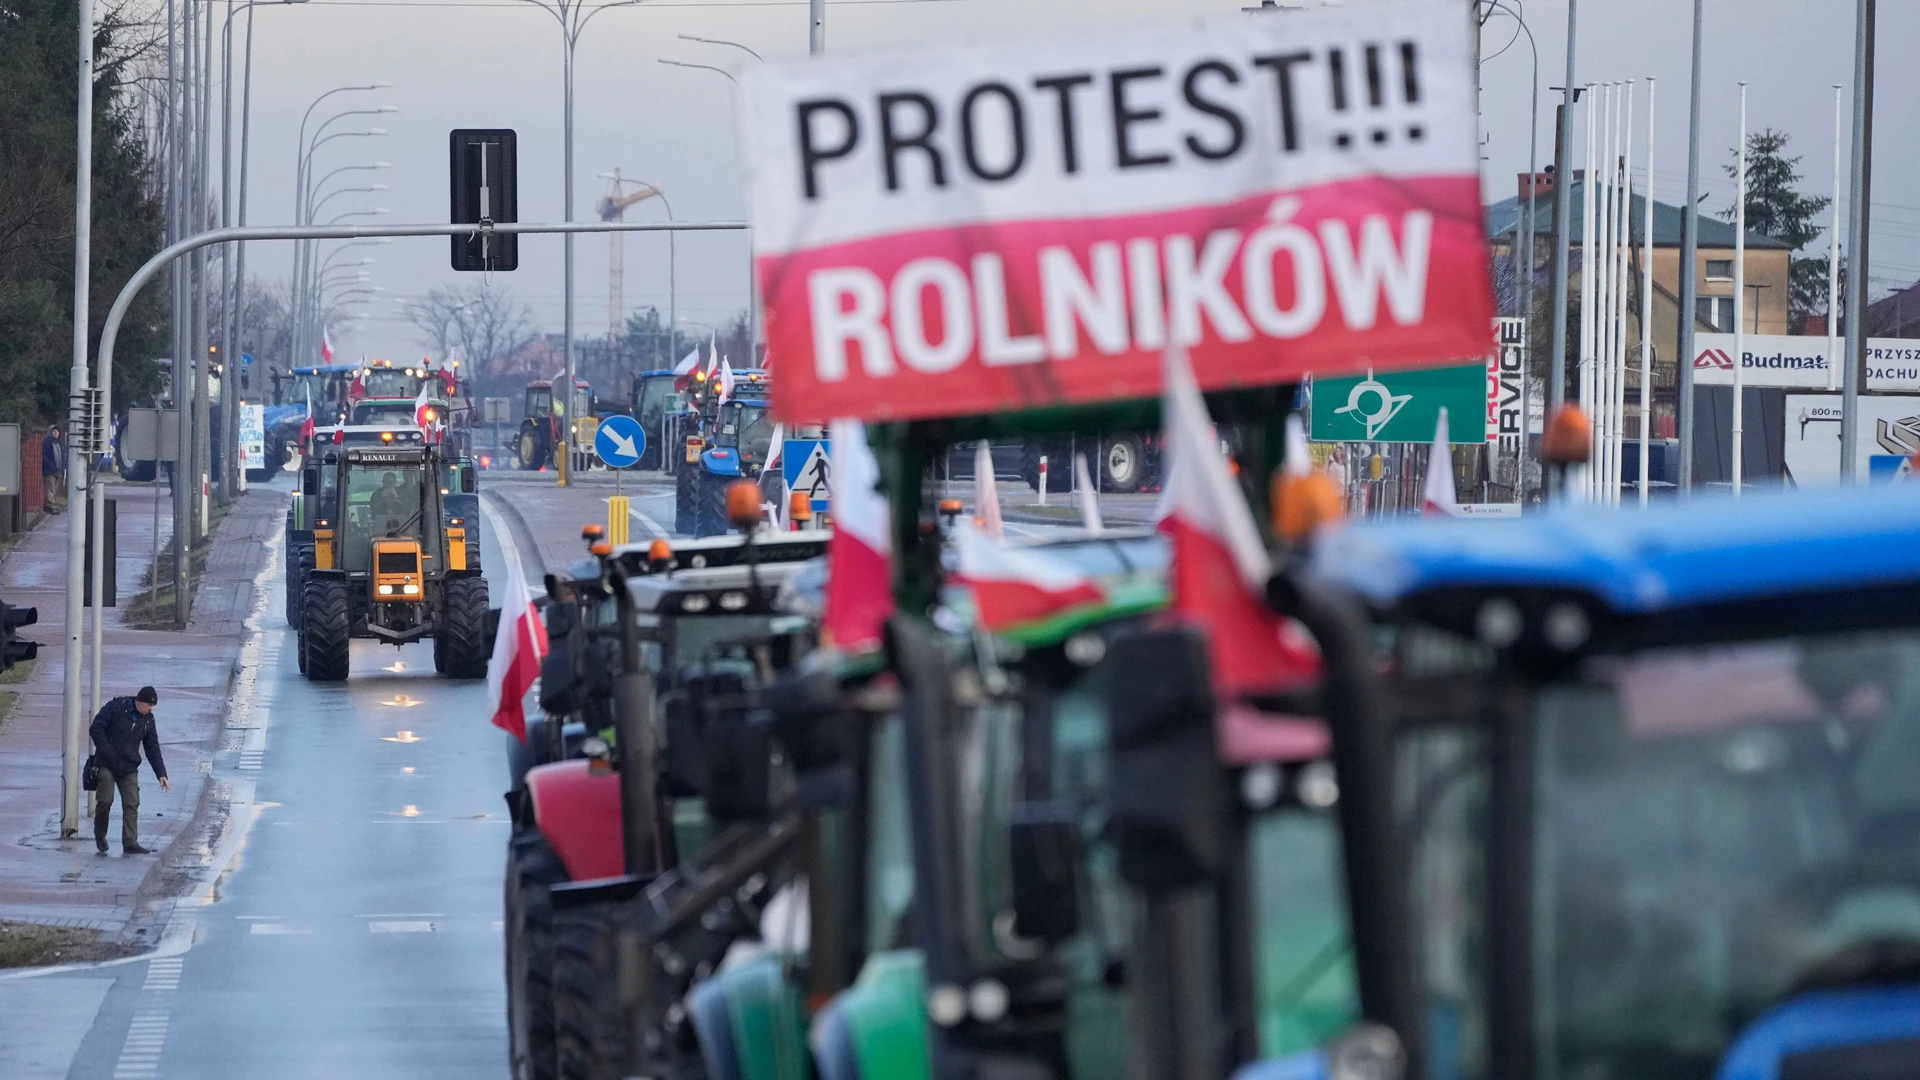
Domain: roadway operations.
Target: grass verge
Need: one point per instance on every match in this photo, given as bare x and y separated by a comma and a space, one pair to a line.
33, 945
152, 607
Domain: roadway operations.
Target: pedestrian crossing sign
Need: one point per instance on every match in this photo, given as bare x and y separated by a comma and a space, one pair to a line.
806, 466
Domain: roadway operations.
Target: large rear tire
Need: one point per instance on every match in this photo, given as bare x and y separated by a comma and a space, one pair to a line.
710, 505
589, 1039
686, 496
327, 627
464, 626
532, 869
532, 446
299, 561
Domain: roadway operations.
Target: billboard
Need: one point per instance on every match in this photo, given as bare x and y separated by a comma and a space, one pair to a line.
976, 228
1893, 364
1889, 436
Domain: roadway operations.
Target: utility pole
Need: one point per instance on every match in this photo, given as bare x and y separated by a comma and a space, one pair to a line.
1562, 209
816, 27
1860, 191
1689, 267
73, 745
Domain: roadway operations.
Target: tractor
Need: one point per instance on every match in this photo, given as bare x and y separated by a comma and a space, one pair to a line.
540, 429
698, 633
729, 441
656, 397
389, 562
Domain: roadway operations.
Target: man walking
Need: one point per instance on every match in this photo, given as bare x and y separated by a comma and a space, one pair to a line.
53, 461
121, 729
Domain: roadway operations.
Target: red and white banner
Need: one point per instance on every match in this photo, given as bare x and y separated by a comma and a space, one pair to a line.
860, 555
1013, 585
963, 230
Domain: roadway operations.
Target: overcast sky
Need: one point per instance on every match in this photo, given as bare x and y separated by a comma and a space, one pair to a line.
497, 63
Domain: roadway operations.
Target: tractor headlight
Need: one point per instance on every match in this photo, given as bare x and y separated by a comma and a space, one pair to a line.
733, 601
386, 590
410, 590
693, 603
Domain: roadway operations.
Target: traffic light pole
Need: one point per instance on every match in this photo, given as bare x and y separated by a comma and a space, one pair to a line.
74, 743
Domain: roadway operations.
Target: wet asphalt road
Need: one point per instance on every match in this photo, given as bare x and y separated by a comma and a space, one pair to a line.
356, 932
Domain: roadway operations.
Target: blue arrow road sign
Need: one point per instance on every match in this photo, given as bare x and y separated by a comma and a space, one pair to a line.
620, 442
246, 359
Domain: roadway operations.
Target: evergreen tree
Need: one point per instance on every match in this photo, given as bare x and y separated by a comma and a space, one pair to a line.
1776, 208
38, 98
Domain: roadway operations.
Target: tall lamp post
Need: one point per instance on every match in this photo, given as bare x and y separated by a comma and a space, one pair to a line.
572, 16
753, 313
301, 150
673, 265
303, 254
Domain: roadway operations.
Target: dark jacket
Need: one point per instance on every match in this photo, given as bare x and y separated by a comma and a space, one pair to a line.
119, 732
50, 454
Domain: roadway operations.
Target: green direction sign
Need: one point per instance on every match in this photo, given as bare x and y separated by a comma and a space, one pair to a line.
1402, 406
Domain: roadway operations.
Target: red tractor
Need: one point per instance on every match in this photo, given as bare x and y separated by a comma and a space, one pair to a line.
540, 431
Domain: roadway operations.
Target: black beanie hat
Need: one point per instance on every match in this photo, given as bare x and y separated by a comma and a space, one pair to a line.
148, 695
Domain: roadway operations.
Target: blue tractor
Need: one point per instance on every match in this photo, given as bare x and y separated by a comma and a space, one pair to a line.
725, 441
1621, 794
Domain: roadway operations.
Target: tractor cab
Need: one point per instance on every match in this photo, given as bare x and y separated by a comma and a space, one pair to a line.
384, 380
654, 398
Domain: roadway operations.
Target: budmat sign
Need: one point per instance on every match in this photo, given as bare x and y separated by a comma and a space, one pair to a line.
972, 229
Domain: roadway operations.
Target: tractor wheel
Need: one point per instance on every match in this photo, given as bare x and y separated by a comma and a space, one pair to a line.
710, 506
463, 625
326, 618
440, 654
1123, 465
532, 869
686, 493
533, 446
299, 561
590, 1041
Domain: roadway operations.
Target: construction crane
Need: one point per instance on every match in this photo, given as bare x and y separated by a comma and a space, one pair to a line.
613, 207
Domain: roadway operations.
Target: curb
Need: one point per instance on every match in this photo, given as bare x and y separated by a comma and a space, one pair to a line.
524, 538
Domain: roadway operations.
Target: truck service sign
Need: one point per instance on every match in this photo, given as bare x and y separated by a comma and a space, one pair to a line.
970, 229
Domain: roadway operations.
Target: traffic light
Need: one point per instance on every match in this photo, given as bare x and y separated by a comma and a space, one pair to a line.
12, 649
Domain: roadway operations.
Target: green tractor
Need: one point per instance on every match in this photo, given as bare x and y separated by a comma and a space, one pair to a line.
389, 563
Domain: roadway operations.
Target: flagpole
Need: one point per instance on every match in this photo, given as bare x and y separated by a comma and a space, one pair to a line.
1586, 264
1617, 427
1646, 312
1739, 290
1834, 357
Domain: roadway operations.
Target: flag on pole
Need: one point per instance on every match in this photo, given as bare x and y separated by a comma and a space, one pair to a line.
326, 346
1220, 567
1089, 496
775, 444
306, 426
685, 367
423, 413
1013, 585
726, 381
859, 579
517, 648
986, 494
1440, 501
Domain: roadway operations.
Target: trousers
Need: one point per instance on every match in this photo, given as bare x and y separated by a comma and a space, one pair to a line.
129, 786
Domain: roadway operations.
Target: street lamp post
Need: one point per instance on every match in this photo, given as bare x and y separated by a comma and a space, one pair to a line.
312, 325
299, 197
753, 312
673, 265
573, 16
303, 264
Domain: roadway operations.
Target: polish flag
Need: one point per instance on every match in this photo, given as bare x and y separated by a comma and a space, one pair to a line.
357, 386
859, 580
517, 648
1089, 496
1440, 501
986, 494
726, 381
326, 347
775, 444
306, 426
423, 416
1220, 567
1013, 585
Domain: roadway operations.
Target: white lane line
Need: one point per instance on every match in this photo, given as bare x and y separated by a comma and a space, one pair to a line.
503, 539
633, 511
278, 928
401, 926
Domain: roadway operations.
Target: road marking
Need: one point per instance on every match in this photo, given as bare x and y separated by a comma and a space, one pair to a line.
403, 915
634, 512
402, 737
278, 928
503, 536
147, 1033
403, 701
400, 926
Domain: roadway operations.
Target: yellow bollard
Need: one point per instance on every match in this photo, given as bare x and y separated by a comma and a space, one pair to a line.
617, 520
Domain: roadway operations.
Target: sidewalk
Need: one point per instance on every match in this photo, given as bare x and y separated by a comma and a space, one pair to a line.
546, 518
42, 878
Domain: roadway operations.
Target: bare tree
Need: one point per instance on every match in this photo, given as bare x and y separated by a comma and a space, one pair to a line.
484, 324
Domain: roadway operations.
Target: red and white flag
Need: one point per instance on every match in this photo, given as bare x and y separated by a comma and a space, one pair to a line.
423, 411
517, 648
1089, 496
726, 381
326, 347
1440, 501
306, 427
357, 386
1013, 585
986, 494
1220, 567
859, 557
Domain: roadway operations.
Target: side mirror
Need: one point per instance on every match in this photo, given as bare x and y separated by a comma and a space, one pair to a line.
1045, 857
468, 481
310, 482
